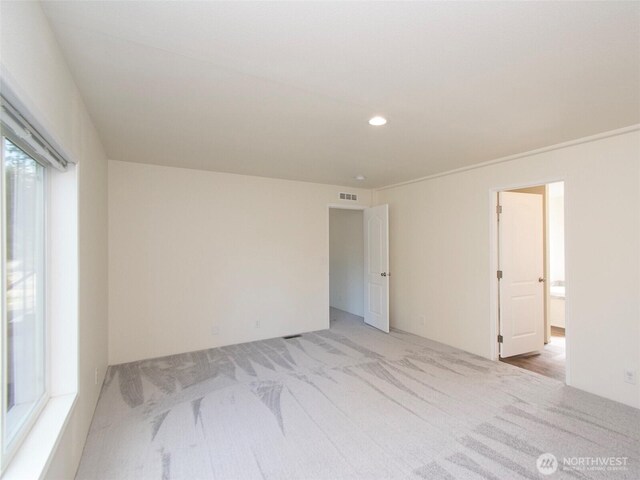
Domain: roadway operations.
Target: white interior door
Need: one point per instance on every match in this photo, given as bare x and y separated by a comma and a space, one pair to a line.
521, 258
376, 267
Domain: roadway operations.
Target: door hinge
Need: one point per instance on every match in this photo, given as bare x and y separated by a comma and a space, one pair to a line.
499, 275
500, 338
499, 209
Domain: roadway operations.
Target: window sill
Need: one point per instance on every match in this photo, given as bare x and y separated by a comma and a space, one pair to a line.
557, 291
35, 453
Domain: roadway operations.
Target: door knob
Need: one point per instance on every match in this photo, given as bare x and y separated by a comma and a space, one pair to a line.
541, 279
383, 274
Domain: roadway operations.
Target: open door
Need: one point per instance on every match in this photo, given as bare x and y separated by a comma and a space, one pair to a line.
376, 267
521, 263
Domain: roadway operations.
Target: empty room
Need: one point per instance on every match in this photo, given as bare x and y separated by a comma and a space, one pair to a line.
319, 240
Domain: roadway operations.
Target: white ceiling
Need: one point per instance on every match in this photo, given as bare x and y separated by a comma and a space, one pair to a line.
285, 89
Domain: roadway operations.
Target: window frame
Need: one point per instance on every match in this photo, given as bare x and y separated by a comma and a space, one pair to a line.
8, 449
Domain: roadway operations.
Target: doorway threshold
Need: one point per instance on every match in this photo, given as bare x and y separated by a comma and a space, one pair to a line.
549, 362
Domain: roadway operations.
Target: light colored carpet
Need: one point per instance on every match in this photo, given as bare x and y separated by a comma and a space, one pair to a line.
346, 403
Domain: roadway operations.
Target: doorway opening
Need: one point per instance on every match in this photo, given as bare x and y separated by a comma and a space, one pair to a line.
359, 265
346, 265
531, 279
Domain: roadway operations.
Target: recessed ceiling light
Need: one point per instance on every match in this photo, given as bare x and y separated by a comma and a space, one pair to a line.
360, 178
377, 121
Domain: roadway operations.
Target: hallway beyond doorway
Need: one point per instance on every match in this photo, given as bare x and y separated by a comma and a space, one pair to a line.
549, 362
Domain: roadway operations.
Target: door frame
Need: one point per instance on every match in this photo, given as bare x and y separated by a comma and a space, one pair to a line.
493, 267
335, 206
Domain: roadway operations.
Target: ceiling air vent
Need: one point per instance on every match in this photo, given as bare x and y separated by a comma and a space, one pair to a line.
348, 196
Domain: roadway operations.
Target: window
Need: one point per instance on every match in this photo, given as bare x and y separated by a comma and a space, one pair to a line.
26, 158
24, 318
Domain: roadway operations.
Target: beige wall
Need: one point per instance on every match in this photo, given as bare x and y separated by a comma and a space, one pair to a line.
440, 244
347, 260
194, 252
556, 252
36, 69
556, 312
